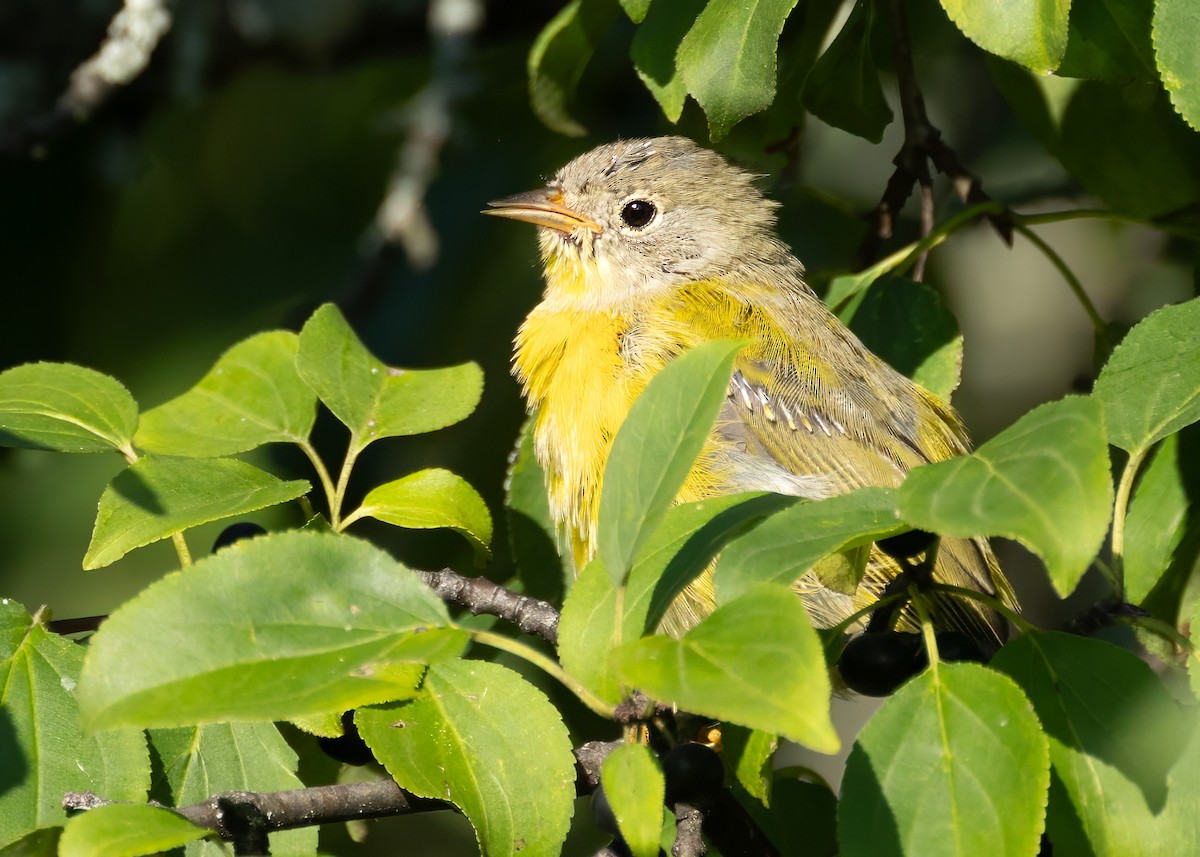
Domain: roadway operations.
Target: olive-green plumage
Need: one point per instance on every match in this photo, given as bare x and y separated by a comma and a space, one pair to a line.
653, 246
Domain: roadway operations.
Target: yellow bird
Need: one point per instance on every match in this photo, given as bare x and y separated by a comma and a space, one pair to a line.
653, 246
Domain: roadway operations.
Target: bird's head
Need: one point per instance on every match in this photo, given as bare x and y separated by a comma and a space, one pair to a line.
627, 220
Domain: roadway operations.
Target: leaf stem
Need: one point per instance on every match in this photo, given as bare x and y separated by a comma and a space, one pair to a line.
339, 493
322, 471
181, 548
547, 665
991, 601
1073, 283
931, 649
1120, 507
1166, 631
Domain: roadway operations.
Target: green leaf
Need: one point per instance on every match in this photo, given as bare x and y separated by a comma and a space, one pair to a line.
429, 499
787, 545
749, 754
1150, 387
1109, 40
558, 57
802, 819
272, 628
39, 843
532, 534
1176, 33
1098, 702
682, 546
483, 738
1157, 520
755, 661
154, 498
1030, 32
843, 87
66, 408
654, 48
206, 760
728, 59
909, 325
656, 446
372, 399
126, 831
636, 9
43, 753
955, 762
251, 396
1043, 481
633, 783
1105, 128
587, 629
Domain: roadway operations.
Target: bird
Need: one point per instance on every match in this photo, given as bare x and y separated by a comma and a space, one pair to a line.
652, 246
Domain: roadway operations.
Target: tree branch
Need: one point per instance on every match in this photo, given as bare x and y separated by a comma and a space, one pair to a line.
480, 595
133, 34
923, 144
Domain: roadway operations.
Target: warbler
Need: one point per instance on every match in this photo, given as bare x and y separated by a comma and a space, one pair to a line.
653, 246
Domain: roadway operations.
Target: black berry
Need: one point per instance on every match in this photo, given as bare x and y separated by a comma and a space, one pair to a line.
694, 774
875, 664
237, 532
907, 545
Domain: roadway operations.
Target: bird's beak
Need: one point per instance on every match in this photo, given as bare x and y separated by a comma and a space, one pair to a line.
542, 207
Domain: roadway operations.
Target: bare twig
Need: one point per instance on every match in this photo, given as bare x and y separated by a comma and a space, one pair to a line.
688, 827
922, 145
480, 595
133, 34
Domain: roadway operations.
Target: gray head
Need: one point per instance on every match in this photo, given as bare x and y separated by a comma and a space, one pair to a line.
631, 218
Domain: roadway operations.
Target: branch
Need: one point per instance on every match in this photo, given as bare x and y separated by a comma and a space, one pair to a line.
923, 144
480, 595
133, 34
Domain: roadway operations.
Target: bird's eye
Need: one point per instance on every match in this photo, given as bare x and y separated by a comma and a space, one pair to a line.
637, 213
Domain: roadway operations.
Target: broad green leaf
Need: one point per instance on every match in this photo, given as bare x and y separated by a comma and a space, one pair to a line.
655, 45
251, 396
43, 754
785, 546
636, 9
1043, 481
1150, 387
1105, 128
483, 738
202, 761
749, 754
847, 291
909, 325
558, 57
1109, 40
728, 59
656, 446
532, 534
1114, 731
633, 783
955, 762
39, 843
1030, 32
682, 546
843, 88
755, 661
372, 399
66, 408
587, 630
430, 499
1157, 520
154, 498
118, 830
1176, 34
801, 820
273, 628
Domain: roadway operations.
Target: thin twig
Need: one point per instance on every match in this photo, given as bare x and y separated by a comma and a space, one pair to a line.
133, 34
689, 841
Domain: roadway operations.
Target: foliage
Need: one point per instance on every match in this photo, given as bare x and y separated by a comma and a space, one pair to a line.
227, 666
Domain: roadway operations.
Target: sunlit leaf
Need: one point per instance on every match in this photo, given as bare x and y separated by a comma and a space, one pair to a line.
1030, 32
118, 830
66, 408
633, 783
512, 776
1176, 34
278, 627
154, 498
